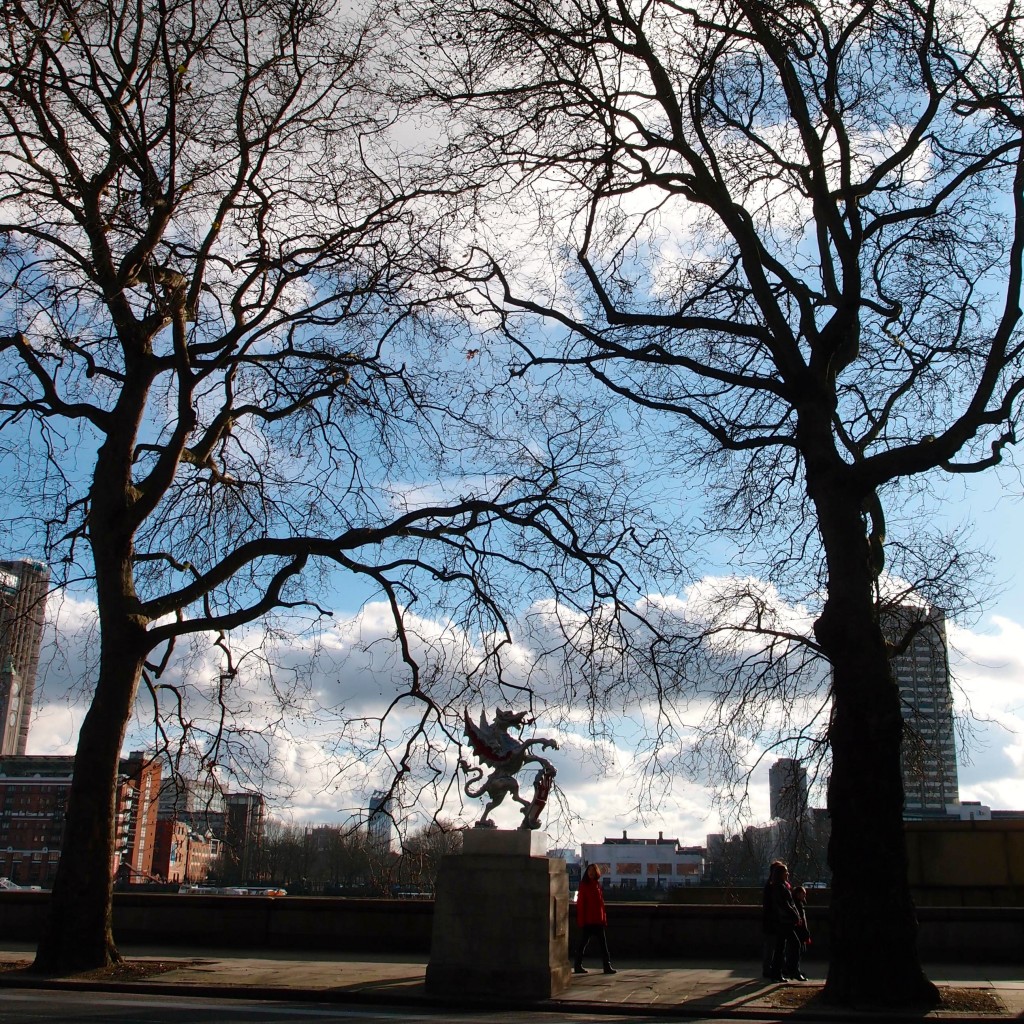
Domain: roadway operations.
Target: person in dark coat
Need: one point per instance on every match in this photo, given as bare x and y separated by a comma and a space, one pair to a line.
768, 924
592, 919
780, 918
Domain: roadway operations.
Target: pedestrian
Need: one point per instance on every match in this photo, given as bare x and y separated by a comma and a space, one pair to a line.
592, 920
768, 923
801, 936
780, 916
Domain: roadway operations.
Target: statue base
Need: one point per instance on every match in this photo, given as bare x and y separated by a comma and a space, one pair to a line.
519, 842
500, 920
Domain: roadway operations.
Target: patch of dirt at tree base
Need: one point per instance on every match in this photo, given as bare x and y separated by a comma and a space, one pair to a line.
953, 1000
127, 970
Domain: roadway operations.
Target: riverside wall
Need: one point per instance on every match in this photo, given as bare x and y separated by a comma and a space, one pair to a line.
655, 931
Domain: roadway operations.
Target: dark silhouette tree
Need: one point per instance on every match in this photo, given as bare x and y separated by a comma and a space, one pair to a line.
789, 234
208, 379
423, 850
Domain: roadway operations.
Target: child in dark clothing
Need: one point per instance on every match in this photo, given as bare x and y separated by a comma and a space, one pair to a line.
801, 936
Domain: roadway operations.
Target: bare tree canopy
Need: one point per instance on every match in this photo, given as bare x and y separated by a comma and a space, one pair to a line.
794, 230
207, 377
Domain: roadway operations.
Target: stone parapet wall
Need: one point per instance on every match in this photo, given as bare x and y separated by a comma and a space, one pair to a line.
636, 931
947, 895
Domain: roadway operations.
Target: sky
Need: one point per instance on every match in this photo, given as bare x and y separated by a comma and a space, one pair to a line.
602, 791
325, 771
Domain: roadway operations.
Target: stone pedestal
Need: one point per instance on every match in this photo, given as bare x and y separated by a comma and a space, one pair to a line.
500, 919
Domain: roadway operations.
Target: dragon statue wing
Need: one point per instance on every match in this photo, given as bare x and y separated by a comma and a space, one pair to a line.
482, 739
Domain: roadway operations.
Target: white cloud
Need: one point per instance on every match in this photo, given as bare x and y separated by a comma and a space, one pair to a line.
337, 684
989, 669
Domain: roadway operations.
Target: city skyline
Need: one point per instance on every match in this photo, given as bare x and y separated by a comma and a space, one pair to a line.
988, 661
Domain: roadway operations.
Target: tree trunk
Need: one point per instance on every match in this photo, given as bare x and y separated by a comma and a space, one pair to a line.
79, 932
874, 957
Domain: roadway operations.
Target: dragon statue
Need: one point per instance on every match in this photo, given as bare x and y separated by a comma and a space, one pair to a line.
506, 756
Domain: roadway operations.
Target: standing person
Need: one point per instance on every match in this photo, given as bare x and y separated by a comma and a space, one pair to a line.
768, 924
591, 919
780, 908
801, 936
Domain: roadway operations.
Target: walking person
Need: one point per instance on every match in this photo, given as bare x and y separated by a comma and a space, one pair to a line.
592, 920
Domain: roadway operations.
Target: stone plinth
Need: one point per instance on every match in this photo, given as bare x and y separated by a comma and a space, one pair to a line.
519, 842
500, 921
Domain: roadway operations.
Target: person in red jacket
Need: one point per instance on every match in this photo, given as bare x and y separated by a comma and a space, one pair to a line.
592, 919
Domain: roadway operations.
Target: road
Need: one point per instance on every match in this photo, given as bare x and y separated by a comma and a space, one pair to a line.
35, 1006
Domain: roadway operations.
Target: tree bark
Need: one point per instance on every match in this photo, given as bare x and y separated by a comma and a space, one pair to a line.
79, 932
873, 924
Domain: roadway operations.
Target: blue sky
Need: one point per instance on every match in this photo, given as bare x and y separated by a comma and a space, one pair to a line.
603, 791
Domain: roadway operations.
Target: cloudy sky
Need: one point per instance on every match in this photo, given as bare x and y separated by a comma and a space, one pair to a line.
325, 763
324, 768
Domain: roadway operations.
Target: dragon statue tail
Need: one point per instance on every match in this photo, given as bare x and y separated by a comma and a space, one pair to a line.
474, 773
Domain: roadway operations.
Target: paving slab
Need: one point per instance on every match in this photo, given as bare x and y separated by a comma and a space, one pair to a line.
731, 989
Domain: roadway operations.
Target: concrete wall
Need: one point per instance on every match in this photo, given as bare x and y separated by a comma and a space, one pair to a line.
244, 922
700, 931
924, 895
635, 930
982, 855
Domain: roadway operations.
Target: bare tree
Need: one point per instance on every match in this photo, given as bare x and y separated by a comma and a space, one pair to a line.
423, 851
206, 366
789, 235
276, 852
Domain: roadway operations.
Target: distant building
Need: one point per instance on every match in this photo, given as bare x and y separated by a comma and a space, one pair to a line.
569, 855
921, 671
23, 589
321, 838
234, 821
972, 810
744, 859
183, 856
787, 786
645, 863
33, 804
716, 862
199, 802
573, 867
243, 836
138, 791
380, 825
171, 851
1007, 815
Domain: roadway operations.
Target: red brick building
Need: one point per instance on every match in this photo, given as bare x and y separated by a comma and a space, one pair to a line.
137, 802
33, 803
182, 855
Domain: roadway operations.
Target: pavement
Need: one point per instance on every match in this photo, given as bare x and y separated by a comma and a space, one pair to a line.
665, 988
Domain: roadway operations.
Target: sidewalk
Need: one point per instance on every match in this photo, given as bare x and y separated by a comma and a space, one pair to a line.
685, 989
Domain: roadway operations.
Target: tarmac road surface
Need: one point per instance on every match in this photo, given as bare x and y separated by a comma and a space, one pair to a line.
31, 1006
